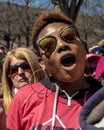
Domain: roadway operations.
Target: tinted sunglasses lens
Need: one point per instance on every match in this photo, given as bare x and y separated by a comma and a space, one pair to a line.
48, 44
14, 69
68, 35
25, 66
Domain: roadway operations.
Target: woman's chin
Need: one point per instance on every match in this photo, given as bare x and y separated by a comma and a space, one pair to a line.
22, 84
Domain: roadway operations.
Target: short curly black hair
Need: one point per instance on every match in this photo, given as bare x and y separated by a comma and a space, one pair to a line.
46, 18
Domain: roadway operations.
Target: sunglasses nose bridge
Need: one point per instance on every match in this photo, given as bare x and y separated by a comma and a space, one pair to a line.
60, 42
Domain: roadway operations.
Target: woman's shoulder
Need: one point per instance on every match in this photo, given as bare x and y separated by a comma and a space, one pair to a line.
28, 90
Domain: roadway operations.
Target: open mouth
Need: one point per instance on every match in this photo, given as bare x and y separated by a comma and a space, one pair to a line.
68, 60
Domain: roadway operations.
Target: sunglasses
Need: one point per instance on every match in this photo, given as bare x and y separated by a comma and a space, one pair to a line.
67, 34
14, 69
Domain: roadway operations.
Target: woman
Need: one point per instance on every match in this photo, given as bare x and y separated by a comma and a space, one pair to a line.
20, 68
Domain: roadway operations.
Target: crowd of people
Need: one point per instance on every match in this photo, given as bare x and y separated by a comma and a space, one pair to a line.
57, 86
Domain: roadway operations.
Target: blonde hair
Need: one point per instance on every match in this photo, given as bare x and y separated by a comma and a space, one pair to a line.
20, 53
101, 43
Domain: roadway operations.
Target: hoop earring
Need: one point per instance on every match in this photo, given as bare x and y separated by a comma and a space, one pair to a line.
34, 73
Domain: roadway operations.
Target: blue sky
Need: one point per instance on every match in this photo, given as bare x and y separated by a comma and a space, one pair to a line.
45, 3
35, 3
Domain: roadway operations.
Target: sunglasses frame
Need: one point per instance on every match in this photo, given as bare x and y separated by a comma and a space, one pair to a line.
13, 74
72, 27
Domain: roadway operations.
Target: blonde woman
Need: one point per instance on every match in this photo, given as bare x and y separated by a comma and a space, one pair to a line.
19, 69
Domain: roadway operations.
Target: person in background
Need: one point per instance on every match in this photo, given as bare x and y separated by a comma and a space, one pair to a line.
97, 50
3, 50
101, 44
55, 102
19, 69
100, 70
2, 55
2, 111
92, 114
91, 63
2, 117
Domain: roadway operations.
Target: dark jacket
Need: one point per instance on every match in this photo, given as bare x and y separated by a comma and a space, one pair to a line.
92, 114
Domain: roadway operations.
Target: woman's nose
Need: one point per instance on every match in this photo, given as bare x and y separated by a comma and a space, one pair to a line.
20, 70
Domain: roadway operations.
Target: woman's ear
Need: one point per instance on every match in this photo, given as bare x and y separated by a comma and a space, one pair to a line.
41, 63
